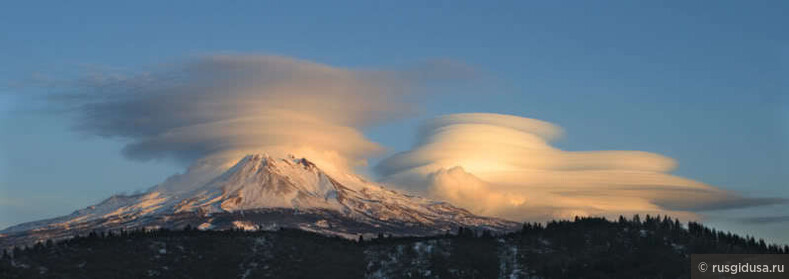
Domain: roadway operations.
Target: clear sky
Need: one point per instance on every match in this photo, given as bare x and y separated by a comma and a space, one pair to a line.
703, 83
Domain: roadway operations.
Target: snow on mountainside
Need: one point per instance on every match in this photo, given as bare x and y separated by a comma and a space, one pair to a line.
261, 192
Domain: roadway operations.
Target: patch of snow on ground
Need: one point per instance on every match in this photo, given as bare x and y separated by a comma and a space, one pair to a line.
509, 266
205, 226
245, 225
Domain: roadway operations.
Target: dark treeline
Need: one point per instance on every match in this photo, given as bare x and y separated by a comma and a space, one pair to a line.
654, 247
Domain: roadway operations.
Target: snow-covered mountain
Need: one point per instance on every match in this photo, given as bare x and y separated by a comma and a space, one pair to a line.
262, 192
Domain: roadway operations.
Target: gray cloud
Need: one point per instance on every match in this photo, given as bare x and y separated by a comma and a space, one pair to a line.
765, 219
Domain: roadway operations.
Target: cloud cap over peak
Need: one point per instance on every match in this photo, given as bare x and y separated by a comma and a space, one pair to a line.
507, 163
235, 104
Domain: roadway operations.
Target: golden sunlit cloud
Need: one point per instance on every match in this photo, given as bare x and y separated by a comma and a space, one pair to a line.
504, 165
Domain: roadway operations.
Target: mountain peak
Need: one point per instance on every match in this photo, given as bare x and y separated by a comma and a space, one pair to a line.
263, 159
262, 181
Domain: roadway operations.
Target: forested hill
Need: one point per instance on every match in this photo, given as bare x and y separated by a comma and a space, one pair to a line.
583, 248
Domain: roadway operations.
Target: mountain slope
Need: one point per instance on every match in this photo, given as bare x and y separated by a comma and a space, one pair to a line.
261, 192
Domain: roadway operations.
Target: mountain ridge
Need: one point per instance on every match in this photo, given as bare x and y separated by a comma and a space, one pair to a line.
264, 192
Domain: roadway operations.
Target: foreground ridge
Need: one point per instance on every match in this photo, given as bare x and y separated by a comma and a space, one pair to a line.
586, 247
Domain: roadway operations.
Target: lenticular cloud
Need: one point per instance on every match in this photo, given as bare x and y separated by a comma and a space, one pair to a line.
505, 166
230, 105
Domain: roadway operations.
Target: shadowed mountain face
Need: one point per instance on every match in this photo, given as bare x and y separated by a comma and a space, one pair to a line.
264, 193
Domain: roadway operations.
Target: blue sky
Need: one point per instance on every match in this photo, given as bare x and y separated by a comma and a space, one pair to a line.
703, 83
